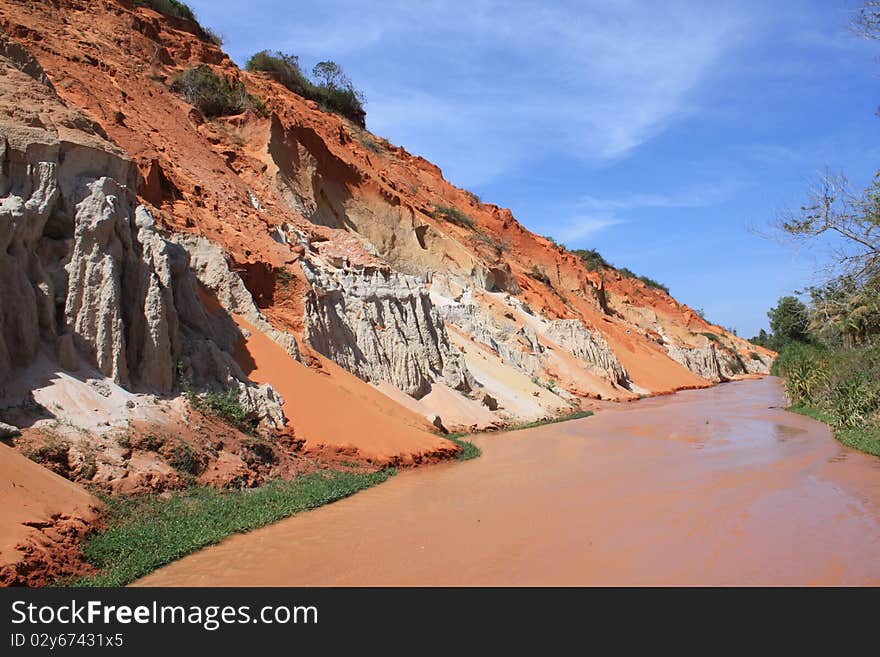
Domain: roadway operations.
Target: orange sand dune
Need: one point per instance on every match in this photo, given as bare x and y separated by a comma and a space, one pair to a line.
335, 412
39, 511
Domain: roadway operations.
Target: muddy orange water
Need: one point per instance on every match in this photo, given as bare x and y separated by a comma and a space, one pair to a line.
717, 486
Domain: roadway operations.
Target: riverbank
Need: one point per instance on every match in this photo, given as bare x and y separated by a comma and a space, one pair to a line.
864, 439
142, 533
705, 487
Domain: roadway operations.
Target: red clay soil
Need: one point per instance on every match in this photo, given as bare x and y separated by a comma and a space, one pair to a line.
43, 517
116, 62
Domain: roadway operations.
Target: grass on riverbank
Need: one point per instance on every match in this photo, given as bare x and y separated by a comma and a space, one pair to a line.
865, 439
146, 532
470, 451
562, 418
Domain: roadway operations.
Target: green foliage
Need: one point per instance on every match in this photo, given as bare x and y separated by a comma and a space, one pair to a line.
593, 260
735, 364
844, 384
499, 246
452, 215
177, 9
650, 282
283, 67
143, 533
711, 336
173, 8
539, 275
468, 450
284, 277
762, 339
472, 197
865, 439
212, 36
212, 94
52, 449
224, 405
578, 415
330, 87
754, 355
789, 321
369, 142
186, 460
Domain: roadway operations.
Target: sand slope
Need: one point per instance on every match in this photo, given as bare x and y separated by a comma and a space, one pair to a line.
337, 413
40, 512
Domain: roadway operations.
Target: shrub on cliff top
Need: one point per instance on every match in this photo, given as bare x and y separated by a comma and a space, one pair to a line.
177, 9
173, 8
284, 68
211, 94
329, 86
452, 215
650, 282
592, 259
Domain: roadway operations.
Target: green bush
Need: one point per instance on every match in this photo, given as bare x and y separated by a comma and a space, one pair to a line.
333, 91
452, 215
177, 9
186, 460
211, 94
284, 68
499, 246
711, 336
173, 8
539, 275
226, 406
593, 260
844, 384
650, 282
284, 277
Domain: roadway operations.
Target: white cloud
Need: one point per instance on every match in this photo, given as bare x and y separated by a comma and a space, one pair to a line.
482, 86
698, 197
582, 226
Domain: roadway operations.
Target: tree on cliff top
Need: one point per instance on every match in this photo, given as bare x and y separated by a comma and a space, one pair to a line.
330, 87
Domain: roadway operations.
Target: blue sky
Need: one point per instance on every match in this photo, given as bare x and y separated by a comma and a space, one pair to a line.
667, 135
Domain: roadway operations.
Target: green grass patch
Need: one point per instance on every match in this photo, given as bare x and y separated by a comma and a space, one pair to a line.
711, 336
468, 450
146, 532
562, 418
864, 439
